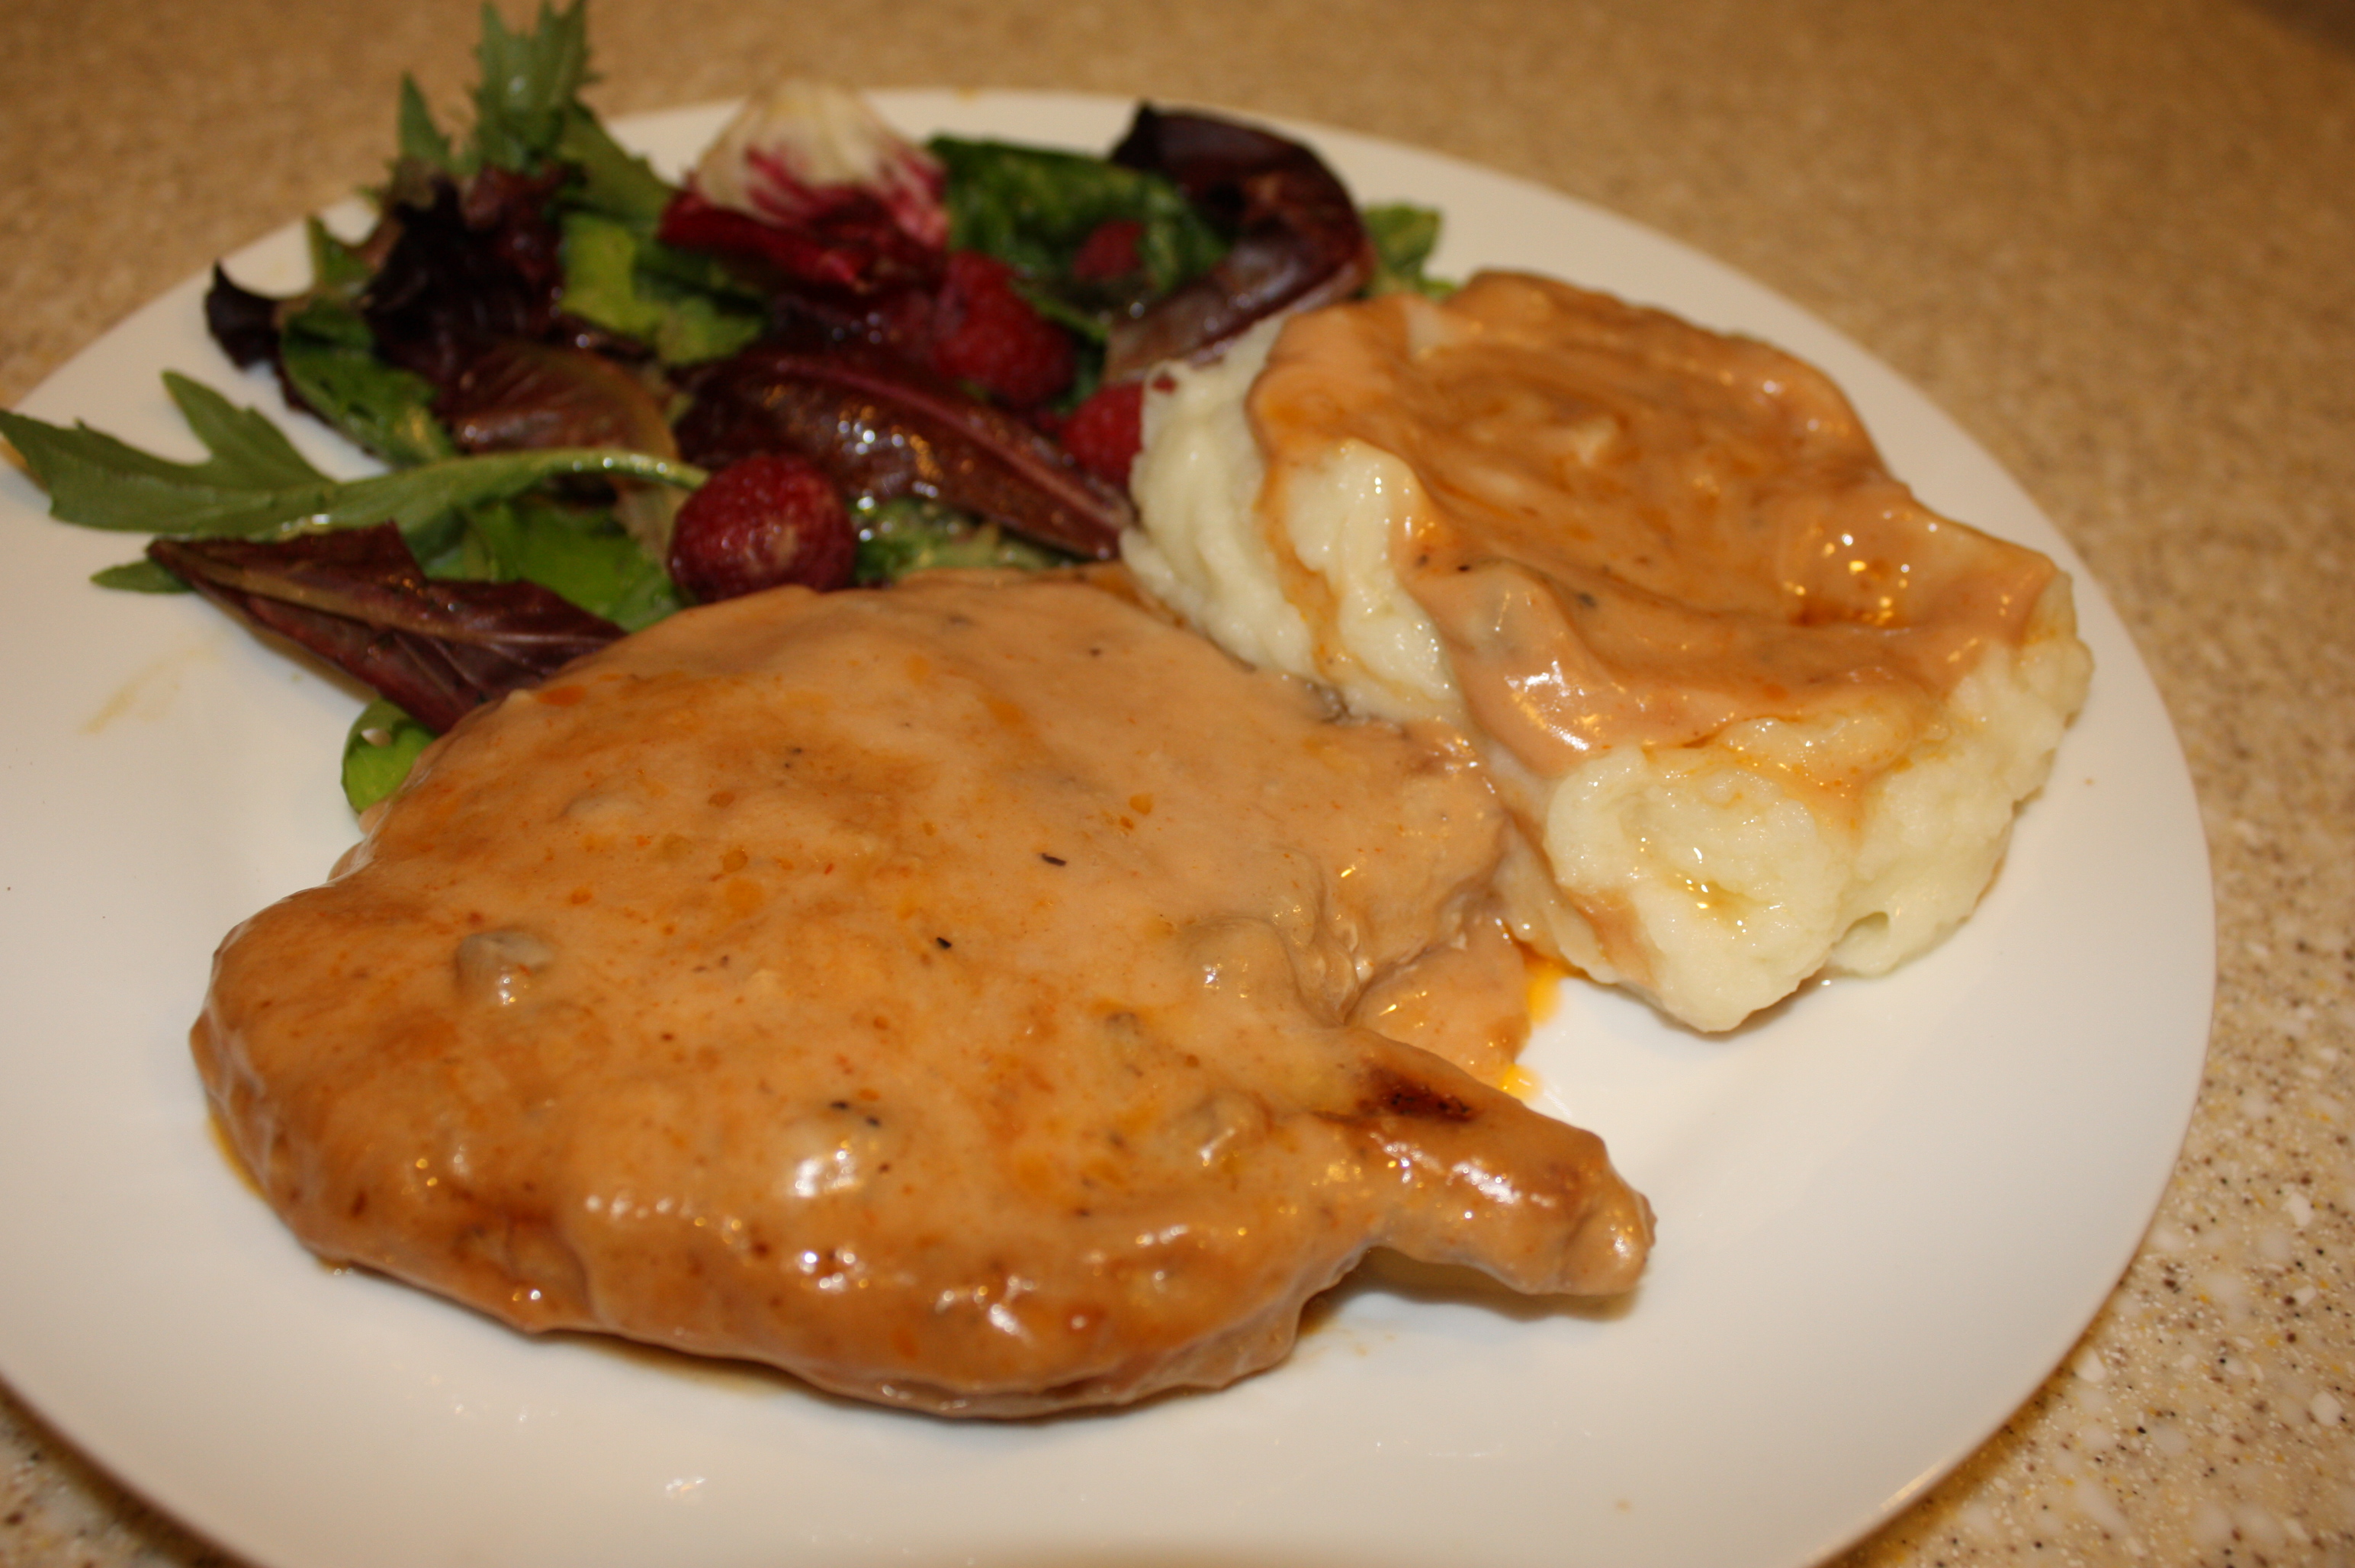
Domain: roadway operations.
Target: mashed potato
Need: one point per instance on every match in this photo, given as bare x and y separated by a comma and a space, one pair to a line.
1757, 711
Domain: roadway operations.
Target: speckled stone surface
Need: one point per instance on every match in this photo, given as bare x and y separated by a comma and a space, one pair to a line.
2117, 240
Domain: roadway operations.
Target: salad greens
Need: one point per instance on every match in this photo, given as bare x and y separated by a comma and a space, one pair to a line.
686, 306
1035, 207
330, 361
527, 100
254, 484
1404, 237
383, 745
534, 225
913, 534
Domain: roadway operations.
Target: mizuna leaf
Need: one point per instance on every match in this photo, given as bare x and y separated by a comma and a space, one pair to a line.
528, 83
255, 483
97, 481
141, 576
417, 136
413, 496
243, 441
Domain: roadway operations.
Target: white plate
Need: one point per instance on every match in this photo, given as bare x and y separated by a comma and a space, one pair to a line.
1886, 1211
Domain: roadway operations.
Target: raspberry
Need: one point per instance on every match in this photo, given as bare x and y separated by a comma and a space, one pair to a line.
1109, 252
1103, 435
762, 522
984, 331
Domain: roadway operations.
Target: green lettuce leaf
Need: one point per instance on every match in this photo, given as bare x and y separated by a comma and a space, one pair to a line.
329, 356
1404, 237
382, 746
912, 534
339, 271
1033, 206
139, 576
581, 554
682, 306
611, 180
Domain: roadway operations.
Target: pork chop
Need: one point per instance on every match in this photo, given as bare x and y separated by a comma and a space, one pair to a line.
942, 993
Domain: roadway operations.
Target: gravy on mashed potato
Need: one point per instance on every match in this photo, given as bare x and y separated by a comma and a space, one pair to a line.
1755, 708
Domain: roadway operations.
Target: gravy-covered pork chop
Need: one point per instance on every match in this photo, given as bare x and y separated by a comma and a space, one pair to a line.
942, 993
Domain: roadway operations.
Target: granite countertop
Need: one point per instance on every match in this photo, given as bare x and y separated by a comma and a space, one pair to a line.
2115, 240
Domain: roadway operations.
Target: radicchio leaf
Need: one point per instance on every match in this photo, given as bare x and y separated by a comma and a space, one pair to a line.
884, 429
356, 598
853, 246
809, 180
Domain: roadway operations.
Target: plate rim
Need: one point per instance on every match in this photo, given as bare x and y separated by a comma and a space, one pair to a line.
119, 1458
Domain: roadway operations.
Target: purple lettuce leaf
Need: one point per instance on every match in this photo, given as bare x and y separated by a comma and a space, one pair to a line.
356, 598
885, 429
